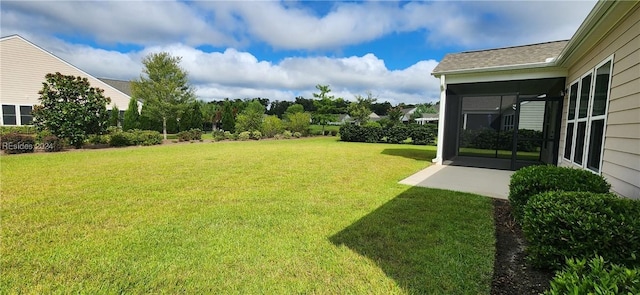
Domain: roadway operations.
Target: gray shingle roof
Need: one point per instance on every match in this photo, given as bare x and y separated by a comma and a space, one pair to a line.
123, 86
527, 54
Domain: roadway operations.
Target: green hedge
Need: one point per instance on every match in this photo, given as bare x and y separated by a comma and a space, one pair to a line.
135, 137
561, 225
488, 138
595, 277
18, 129
374, 133
533, 180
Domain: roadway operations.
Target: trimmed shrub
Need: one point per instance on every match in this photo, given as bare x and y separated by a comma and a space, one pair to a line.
16, 143
257, 135
297, 134
218, 135
52, 143
533, 180
561, 225
595, 277
423, 134
121, 139
98, 139
146, 137
189, 135
397, 133
287, 134
244, 135
333, 132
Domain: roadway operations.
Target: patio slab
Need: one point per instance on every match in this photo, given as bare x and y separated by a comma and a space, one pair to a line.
487, 182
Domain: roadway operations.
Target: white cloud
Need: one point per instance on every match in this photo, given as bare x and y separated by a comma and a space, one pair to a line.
236, 74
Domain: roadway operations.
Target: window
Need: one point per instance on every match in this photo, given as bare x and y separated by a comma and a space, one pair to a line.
25, 115
8, 114
508, 122
586, 117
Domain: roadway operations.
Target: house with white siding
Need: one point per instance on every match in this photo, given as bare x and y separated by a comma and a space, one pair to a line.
24, 66
586, 93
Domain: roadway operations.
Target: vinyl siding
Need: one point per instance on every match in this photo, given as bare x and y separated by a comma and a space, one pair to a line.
621, 157
23, 70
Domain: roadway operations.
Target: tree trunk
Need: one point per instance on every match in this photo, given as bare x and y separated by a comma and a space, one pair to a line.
164, 127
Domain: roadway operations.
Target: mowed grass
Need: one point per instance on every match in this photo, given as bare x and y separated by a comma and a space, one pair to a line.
270, 217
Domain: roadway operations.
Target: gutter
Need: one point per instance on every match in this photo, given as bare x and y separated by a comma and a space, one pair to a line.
534, 65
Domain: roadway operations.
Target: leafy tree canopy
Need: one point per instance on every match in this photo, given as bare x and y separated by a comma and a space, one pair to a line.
360, 109
70, 108
163, 86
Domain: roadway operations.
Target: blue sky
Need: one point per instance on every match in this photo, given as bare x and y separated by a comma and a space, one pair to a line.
282, 49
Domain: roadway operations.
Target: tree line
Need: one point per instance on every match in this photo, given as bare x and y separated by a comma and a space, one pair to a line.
163, 100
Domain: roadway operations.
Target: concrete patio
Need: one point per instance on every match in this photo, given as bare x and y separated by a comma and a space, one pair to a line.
482, 181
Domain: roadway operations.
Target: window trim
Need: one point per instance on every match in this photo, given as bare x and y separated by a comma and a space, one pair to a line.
589, 118
15, 115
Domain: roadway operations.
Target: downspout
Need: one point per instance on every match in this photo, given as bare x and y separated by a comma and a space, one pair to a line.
441, 122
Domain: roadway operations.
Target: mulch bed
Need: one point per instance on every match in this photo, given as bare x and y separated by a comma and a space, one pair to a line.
512, 275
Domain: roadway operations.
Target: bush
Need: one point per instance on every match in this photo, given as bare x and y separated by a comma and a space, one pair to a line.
52, 143
146, 137
423, 134
287, 134
297, 134
271, 126
16, 143
189, 135
533, 180
333, 132
257, 135
135, 137
561, 225
98, 139
595, 277
244, 135
397, 133
218, 135
121, 139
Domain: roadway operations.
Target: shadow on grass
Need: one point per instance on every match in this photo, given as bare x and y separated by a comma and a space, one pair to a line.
416, 154
428, 241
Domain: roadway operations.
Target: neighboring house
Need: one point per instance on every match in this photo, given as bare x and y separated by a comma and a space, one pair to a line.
586, 90
423, 119
24, 66
374, 117
341, 119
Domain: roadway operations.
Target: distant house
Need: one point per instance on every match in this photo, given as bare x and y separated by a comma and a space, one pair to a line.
374, 117
24, 66
582, 93
423, 119
342, 119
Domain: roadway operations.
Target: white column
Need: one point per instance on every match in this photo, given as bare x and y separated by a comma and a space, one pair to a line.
441, 122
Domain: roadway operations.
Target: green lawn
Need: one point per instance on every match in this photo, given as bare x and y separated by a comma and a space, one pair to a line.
271, 217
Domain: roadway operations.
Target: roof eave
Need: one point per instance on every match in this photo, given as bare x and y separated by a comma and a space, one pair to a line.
496, 68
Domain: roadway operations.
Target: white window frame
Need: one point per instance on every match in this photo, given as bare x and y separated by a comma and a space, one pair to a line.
589, 118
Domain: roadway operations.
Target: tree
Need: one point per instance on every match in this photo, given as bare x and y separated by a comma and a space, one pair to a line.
70, 108
278, 108
210, 113
251, 117
191, 117
163, 87
306, 103
361, 108
114, 117
294, 108
131, 116
325, 107
228, 118
381, 108
395, 115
